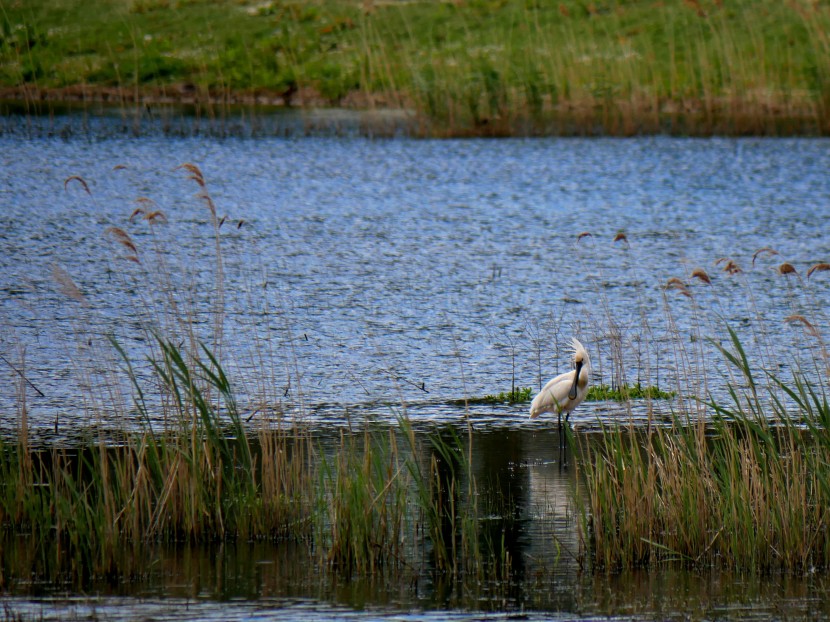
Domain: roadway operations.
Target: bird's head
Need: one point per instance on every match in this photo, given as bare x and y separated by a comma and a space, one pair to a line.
580, 354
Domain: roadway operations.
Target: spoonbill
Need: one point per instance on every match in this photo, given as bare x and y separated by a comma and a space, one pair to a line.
565, 392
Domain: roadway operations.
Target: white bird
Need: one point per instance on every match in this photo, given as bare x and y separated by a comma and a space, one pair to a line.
566, 391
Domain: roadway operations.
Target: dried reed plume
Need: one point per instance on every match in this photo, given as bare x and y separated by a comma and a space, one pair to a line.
80, 180
731, 267
811, 330
195, 173
122, 237
787, 268
680, 286
209, 202
700, 273
819, 267
66, 284
155, 216
621, 236
766, 251
151, 217
584, 234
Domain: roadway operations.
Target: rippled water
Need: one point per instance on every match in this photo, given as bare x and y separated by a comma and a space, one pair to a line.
367, 273
366, 278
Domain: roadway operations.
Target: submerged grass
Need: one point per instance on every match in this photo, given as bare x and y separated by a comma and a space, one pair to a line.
474, 68
636, 391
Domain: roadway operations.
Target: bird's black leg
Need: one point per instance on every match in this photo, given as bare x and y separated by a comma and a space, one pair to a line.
561, 440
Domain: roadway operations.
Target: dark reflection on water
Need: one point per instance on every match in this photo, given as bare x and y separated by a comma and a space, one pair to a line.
527, 496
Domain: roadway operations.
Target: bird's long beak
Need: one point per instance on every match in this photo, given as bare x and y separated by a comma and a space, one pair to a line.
572, 392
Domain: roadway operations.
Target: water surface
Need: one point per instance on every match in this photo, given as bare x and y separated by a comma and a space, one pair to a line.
362, 273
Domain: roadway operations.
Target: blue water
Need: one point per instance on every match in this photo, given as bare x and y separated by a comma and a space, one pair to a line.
403, 271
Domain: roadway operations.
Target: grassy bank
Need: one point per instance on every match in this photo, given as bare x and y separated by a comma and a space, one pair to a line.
488, 68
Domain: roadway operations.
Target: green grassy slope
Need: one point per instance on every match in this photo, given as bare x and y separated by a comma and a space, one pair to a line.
465, 67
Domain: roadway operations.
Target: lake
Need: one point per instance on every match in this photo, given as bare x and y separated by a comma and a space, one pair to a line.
362, 279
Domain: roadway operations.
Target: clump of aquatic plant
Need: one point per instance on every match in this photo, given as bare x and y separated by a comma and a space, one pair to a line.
514, 396
603, 392
596, 393
748, 489
364, 503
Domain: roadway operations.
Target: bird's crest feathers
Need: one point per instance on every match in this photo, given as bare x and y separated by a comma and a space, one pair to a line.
577, 347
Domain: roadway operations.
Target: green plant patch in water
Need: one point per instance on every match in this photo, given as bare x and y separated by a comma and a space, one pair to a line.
516, 396
597, 393
602, 393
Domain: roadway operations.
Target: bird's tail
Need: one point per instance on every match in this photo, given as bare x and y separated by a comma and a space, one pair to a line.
535, 408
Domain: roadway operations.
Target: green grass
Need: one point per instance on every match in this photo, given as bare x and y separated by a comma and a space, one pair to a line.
486, 67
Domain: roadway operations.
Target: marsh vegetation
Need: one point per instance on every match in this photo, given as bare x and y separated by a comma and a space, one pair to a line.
483, 68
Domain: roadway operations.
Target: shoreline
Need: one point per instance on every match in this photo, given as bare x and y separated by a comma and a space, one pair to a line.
378, 115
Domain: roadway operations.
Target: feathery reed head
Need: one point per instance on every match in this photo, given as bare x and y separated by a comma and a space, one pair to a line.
765, 251
676, 284
730, 266
786, 268
119, 236
80, 180
66, 285
800, 319
700, 273
819, 267
195, 173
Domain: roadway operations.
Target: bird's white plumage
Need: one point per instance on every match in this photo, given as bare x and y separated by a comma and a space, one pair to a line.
557, 395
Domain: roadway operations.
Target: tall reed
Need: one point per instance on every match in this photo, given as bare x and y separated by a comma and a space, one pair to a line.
747, 488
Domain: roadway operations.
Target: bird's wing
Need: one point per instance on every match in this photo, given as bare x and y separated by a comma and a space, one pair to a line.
553, 395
